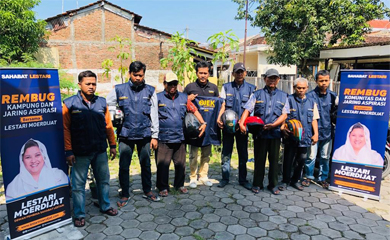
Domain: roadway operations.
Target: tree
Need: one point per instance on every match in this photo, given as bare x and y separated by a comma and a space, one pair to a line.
297, 30
180, 57
124, 52
223, 42
20, 32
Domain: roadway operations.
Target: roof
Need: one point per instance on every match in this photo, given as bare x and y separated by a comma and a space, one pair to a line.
379, 24
152, 29
137, 18
255, 40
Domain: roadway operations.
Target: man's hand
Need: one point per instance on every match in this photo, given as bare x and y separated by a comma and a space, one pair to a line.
71, 160
220, 123
153, 144
314, 139
202, 128
191, 97
268, 126
242, 128
112, 153
286, 132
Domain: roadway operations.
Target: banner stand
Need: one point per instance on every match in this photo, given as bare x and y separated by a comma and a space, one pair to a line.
344, 191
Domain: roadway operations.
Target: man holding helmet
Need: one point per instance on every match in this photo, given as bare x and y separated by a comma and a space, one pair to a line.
235, 95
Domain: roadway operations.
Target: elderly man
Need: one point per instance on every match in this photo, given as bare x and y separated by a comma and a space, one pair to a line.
271, 105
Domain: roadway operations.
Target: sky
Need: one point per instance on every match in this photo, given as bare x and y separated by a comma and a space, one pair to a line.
203, 18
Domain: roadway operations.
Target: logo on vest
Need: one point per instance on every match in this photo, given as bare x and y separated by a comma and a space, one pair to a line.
122, 98
161, 105
229, 94
207, 105
76, 111
259, 101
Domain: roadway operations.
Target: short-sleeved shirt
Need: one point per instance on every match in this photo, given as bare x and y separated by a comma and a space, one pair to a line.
250, 105
208, 90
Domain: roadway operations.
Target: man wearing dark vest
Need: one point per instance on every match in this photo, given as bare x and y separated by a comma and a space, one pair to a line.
271, 105
201, 87
327, 104
235, 94
138, 102
172, 108
303, 109
87, 126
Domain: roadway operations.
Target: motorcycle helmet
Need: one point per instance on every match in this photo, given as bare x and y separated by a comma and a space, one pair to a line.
230, 121
254, 124
191, 126
296, 129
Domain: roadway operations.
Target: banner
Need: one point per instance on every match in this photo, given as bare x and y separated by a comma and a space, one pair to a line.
32, 151
209, 108
361, 129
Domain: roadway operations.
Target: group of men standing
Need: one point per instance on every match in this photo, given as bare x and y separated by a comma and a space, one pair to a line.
155, 121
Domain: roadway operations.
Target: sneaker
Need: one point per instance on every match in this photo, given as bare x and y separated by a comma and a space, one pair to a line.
222, 183
193, 185
246, 185
207, 182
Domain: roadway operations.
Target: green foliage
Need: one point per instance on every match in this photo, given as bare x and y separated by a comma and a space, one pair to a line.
180, 57
20, 32
123, 48
222, 42
296, 30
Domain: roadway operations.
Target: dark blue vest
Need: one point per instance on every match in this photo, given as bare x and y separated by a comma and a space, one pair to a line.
209, 108
302, 110
88, 125
269, 107
135, 102
236, 97
326, 104
171, 115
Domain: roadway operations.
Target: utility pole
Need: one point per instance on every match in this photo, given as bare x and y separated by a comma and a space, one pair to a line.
246, 29
77, 3
187, 32
62, 6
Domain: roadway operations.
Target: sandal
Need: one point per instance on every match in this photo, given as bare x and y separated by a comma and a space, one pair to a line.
324, 184
183, 190
122, 202
306, 182
283, 187
151, 197
163, 193
255, 189
296, 186
110, 212
79, 222
274, 191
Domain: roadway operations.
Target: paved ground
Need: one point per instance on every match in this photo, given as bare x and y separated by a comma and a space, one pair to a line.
232, 213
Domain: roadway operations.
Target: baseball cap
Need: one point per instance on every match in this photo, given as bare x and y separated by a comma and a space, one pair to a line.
239, 66
271, 72
170, 77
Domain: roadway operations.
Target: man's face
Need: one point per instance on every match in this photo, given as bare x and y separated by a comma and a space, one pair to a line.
88, 86
203, 74
323, 82
239, 75
301, 89
33, 160
171, 87
272, 81
137, 77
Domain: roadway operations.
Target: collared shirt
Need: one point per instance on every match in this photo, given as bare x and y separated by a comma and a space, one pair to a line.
111, 102
250, 105
207, 90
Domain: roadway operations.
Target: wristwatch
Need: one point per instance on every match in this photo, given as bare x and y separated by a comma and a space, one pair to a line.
204, 123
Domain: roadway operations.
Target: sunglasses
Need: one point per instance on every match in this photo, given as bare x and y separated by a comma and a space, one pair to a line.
172, 84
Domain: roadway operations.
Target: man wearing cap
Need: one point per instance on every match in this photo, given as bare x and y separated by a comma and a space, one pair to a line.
138, 102
235, 94
201, 87
271, 105
172, 107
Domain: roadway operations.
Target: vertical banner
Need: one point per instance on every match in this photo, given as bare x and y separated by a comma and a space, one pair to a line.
32, 151
361, 129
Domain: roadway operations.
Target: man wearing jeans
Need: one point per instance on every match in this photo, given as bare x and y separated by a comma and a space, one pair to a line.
327, 104
87, 126
235, 94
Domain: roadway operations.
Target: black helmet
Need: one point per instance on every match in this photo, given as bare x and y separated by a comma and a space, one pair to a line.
230, 121
191, 126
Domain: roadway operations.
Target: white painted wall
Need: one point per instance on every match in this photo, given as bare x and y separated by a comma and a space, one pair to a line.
263, 66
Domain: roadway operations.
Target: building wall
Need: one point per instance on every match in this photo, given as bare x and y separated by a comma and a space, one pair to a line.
263, 66
83, 44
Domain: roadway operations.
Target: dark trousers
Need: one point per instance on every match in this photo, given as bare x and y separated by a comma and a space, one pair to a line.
262, 148
227, 149
165, 153
293, 155
126, 148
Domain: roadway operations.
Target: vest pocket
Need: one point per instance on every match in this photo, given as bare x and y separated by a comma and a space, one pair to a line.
260, 108
278, 109
229, 101
146, 107
162, 113
310, 115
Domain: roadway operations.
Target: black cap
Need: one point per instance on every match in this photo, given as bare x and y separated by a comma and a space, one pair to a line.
271, 72
238, 66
